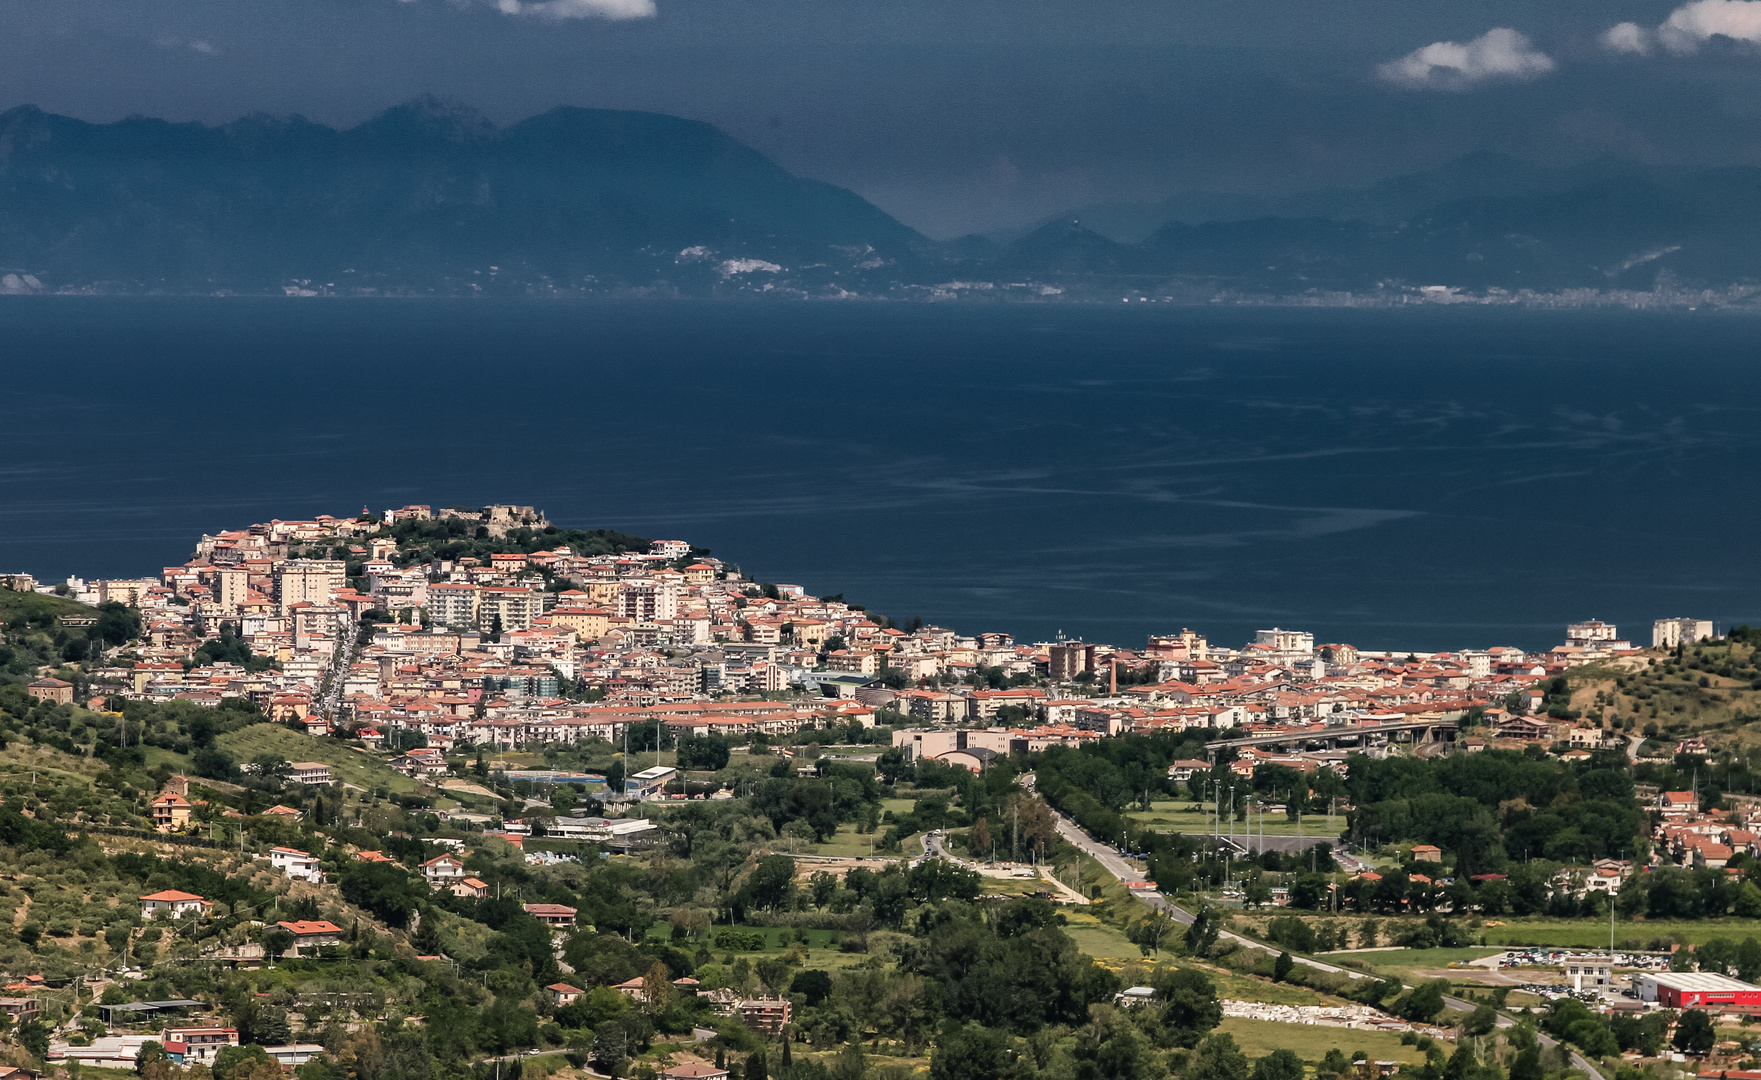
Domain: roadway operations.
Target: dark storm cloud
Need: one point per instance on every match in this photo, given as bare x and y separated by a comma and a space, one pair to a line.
961, 114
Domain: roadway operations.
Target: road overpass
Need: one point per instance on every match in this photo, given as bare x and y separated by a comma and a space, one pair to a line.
1333, 737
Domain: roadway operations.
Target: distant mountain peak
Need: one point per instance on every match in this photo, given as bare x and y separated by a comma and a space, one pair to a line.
432, 117
429, 195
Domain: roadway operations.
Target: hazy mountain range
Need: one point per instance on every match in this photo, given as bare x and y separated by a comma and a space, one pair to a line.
430, 196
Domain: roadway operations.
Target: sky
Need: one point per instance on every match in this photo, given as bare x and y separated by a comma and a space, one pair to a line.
962, 115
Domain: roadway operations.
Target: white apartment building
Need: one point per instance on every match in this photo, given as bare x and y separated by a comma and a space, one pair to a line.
648, 601
1592, 633
309, 581
231, 584
515, 607
1668, 633
1285, 641
454, 605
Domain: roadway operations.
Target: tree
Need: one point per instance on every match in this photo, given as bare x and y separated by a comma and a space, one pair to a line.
1693, 1033
1425, 1002
1110, 1047
234, 1062
390, 892
981, 839
1149, 932
771, 883
1308, 892
851, 1063
271, 1027
1527, 1065
1280, 1064
1282, 967
117, 624
703, 752
151, 1053
814, 985
1217, 1058
426, 939
1749, 960
822, 886
657, 990
276, 941
1202, 934
1189, 1004
756, 1067
33, 1035
1481, 1021
213, 764
1258, 892
967, 1053
271, 770
611, 1046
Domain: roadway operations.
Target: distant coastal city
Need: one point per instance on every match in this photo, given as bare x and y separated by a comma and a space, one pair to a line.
607, 773
380, 624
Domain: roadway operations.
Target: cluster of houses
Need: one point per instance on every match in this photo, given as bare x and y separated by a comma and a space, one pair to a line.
1281, 689
1703, 839
766, 1016
172, 810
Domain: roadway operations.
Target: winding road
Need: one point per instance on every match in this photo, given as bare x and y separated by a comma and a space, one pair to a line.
1121, 869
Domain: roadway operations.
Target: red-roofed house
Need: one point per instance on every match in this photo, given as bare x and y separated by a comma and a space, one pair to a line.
443, 870
170, 812
564, 994
312, 933
1677, 804
171, 904
552, 914
471, 887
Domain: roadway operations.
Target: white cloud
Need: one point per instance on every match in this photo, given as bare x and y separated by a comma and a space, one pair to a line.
1689, 27
616, 10
1499, 53
1628, 38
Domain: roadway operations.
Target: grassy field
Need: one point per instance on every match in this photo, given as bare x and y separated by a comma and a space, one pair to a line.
1247, 988
849, 843
1101, 940
1511, 931
347, 764
1594, 933
1186, 817
1257, 1038
1403, 962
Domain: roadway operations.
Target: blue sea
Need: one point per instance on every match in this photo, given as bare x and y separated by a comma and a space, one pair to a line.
1412, 480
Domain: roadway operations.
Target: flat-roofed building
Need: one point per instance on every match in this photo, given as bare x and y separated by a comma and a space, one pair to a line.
1697, 990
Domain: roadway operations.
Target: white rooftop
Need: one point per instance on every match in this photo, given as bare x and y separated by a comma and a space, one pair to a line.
1699, 980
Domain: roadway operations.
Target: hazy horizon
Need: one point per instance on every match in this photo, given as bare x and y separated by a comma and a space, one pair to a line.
965, 117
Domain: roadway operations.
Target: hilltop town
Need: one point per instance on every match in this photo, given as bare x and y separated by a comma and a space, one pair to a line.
607, 799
